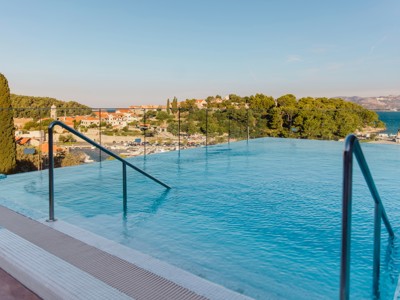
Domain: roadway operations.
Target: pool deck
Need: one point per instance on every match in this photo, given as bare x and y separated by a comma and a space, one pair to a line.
56, 265
12, 289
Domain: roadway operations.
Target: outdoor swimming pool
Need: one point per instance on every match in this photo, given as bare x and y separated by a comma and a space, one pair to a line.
262, 218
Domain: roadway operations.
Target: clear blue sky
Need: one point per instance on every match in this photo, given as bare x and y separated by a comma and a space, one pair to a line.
109, 53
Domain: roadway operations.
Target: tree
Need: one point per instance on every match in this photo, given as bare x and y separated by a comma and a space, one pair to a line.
72, 159
275, 118
174, 105
68, 138
163, 116
8, 154
39, 107
286, 100
168, 108
261, 102
188, 105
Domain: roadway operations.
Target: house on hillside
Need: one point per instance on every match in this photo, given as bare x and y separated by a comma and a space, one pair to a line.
201, 103
88, 121
140, 109
117, 120
44, 148
24, 141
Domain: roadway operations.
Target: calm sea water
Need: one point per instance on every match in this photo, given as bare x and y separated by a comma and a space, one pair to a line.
391, 119
262, 218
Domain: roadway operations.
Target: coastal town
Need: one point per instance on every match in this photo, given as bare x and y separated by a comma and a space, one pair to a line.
126, 131
136, 130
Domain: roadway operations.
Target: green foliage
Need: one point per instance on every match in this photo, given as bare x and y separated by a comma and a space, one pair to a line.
168, 107
27, 162
188, 105
163, 116
38, 125
78, 123
174, 105
71, 159
39, 107
261, 102
8, 160
288, 100
150, 114
68, 138
311, 118
173, 128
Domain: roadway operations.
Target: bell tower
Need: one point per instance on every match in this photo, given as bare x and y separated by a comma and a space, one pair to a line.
53, 112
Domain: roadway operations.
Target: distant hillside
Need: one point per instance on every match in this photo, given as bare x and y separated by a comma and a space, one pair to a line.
39, 107
376, 103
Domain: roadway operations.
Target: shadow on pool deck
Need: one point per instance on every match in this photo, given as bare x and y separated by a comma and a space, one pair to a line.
12, 289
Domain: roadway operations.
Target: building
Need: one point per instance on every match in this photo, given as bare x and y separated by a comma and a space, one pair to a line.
89, 121
53, 112
201, 103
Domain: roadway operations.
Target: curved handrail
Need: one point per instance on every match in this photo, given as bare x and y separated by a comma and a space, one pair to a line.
93, 143
352, 146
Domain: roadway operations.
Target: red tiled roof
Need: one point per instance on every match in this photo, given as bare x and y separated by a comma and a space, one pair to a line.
45, 148
23, 141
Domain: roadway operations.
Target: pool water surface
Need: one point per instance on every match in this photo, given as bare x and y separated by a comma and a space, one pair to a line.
261, 217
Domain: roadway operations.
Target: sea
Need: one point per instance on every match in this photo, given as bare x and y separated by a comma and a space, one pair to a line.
391, 119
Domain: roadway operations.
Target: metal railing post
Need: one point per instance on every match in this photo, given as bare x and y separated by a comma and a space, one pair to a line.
346, 225
352, 146
206, 127
247, 120
179, 130
41, 140
51, 177
124, 188
144, 133
229, 127
377, 250
100, 135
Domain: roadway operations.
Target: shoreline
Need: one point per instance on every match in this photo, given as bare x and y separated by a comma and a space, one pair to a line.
383, 142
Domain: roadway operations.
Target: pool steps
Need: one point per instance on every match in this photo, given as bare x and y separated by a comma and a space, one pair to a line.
52, 260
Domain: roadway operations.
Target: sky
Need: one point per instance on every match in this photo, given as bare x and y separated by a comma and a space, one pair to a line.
122, 53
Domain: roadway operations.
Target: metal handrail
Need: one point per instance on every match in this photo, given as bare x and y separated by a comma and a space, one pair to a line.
352, 146
93, 143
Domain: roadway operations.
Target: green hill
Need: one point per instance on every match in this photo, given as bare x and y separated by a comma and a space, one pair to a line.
39, 107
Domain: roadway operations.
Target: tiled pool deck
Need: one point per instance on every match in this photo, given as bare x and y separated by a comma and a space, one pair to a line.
59, 265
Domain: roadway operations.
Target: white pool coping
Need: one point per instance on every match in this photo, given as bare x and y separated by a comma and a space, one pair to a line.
181, 277
57, 260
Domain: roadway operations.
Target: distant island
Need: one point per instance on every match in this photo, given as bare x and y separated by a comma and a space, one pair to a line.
389, 103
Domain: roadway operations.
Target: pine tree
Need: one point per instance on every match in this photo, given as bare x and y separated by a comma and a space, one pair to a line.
174, 105
168, 105
7, 131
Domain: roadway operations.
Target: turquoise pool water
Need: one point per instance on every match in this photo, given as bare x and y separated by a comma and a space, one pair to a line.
262, 218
